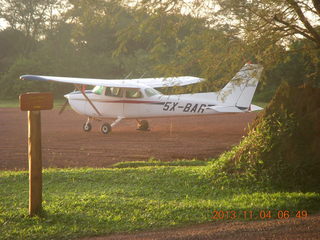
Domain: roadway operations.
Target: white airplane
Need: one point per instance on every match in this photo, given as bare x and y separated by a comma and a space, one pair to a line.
137, 98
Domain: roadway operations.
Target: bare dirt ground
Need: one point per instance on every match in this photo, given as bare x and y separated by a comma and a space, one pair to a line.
288, 229
64, 144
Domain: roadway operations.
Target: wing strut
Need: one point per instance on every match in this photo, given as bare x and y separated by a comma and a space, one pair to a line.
88, 99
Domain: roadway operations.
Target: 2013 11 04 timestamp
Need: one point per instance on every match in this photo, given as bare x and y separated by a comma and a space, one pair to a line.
256, 215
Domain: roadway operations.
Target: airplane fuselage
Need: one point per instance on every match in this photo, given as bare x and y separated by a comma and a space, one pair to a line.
137, 98
144, 106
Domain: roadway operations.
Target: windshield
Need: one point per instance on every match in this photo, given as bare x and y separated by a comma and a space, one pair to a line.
98, 90
151, 92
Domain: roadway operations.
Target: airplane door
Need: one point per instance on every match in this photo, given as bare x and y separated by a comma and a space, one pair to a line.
110, 102
133, 103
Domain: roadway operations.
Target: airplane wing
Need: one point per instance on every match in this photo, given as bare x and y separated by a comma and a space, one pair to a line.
126, 83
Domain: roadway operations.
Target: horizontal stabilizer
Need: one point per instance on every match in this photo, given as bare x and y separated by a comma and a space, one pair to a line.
255, 108
226, 109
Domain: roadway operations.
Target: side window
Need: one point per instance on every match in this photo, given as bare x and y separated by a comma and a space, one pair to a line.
113, 92
133, 93
151, 92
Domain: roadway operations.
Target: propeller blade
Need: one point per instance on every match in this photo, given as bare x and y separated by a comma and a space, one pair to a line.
63, 107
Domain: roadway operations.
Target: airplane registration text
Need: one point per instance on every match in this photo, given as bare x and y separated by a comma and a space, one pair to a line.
189, 107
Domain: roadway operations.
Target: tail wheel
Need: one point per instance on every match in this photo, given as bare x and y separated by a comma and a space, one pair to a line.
106, 128
143, 125
87, 127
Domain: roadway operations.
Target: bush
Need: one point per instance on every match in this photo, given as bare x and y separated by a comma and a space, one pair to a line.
283, 144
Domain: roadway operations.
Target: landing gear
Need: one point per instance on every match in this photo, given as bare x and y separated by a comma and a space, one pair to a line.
106, 128
87, 126
143, 125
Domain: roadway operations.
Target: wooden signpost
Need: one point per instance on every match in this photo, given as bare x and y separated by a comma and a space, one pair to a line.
33, 103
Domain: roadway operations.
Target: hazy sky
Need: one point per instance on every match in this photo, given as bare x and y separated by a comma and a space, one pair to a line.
3, 24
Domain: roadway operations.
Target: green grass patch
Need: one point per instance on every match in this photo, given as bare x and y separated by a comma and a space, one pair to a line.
153, 162
12, 103
90, 202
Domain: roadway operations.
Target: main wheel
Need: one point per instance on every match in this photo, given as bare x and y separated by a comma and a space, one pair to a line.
87, 127
143, 125
106, 128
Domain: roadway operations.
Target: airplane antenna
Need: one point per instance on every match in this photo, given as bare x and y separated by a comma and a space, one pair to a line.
128, 75
143, 75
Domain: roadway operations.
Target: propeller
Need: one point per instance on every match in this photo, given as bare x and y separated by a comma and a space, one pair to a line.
65, 104
63, 107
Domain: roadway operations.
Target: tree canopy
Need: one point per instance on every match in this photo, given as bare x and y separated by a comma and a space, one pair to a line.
116, 38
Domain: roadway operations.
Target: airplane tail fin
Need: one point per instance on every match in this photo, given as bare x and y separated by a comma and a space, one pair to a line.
240, 90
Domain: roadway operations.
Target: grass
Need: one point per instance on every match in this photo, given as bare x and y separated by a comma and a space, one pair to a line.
5, 103
91, 202
155, 162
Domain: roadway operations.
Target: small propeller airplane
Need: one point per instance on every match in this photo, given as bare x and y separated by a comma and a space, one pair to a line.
137, 98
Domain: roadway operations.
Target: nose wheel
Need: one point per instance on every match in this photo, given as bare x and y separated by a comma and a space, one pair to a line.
87, 127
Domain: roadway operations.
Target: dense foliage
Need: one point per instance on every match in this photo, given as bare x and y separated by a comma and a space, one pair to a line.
111, 39
283, 145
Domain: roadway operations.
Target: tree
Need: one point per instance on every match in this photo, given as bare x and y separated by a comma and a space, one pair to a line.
30, 16
271, 26
11, 45
283, 19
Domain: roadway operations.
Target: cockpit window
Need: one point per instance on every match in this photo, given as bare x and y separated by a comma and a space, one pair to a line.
98, 90
133, 93
151, 92
113, 91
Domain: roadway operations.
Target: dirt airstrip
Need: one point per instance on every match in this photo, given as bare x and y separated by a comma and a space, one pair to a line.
284, 229
64, 144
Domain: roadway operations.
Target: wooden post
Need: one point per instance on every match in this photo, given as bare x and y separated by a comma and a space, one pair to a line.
35, 163
33, 103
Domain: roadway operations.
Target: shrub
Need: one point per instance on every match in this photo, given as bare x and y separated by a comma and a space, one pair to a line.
283, 144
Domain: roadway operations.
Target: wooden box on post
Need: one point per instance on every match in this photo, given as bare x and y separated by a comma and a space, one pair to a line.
33, 103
